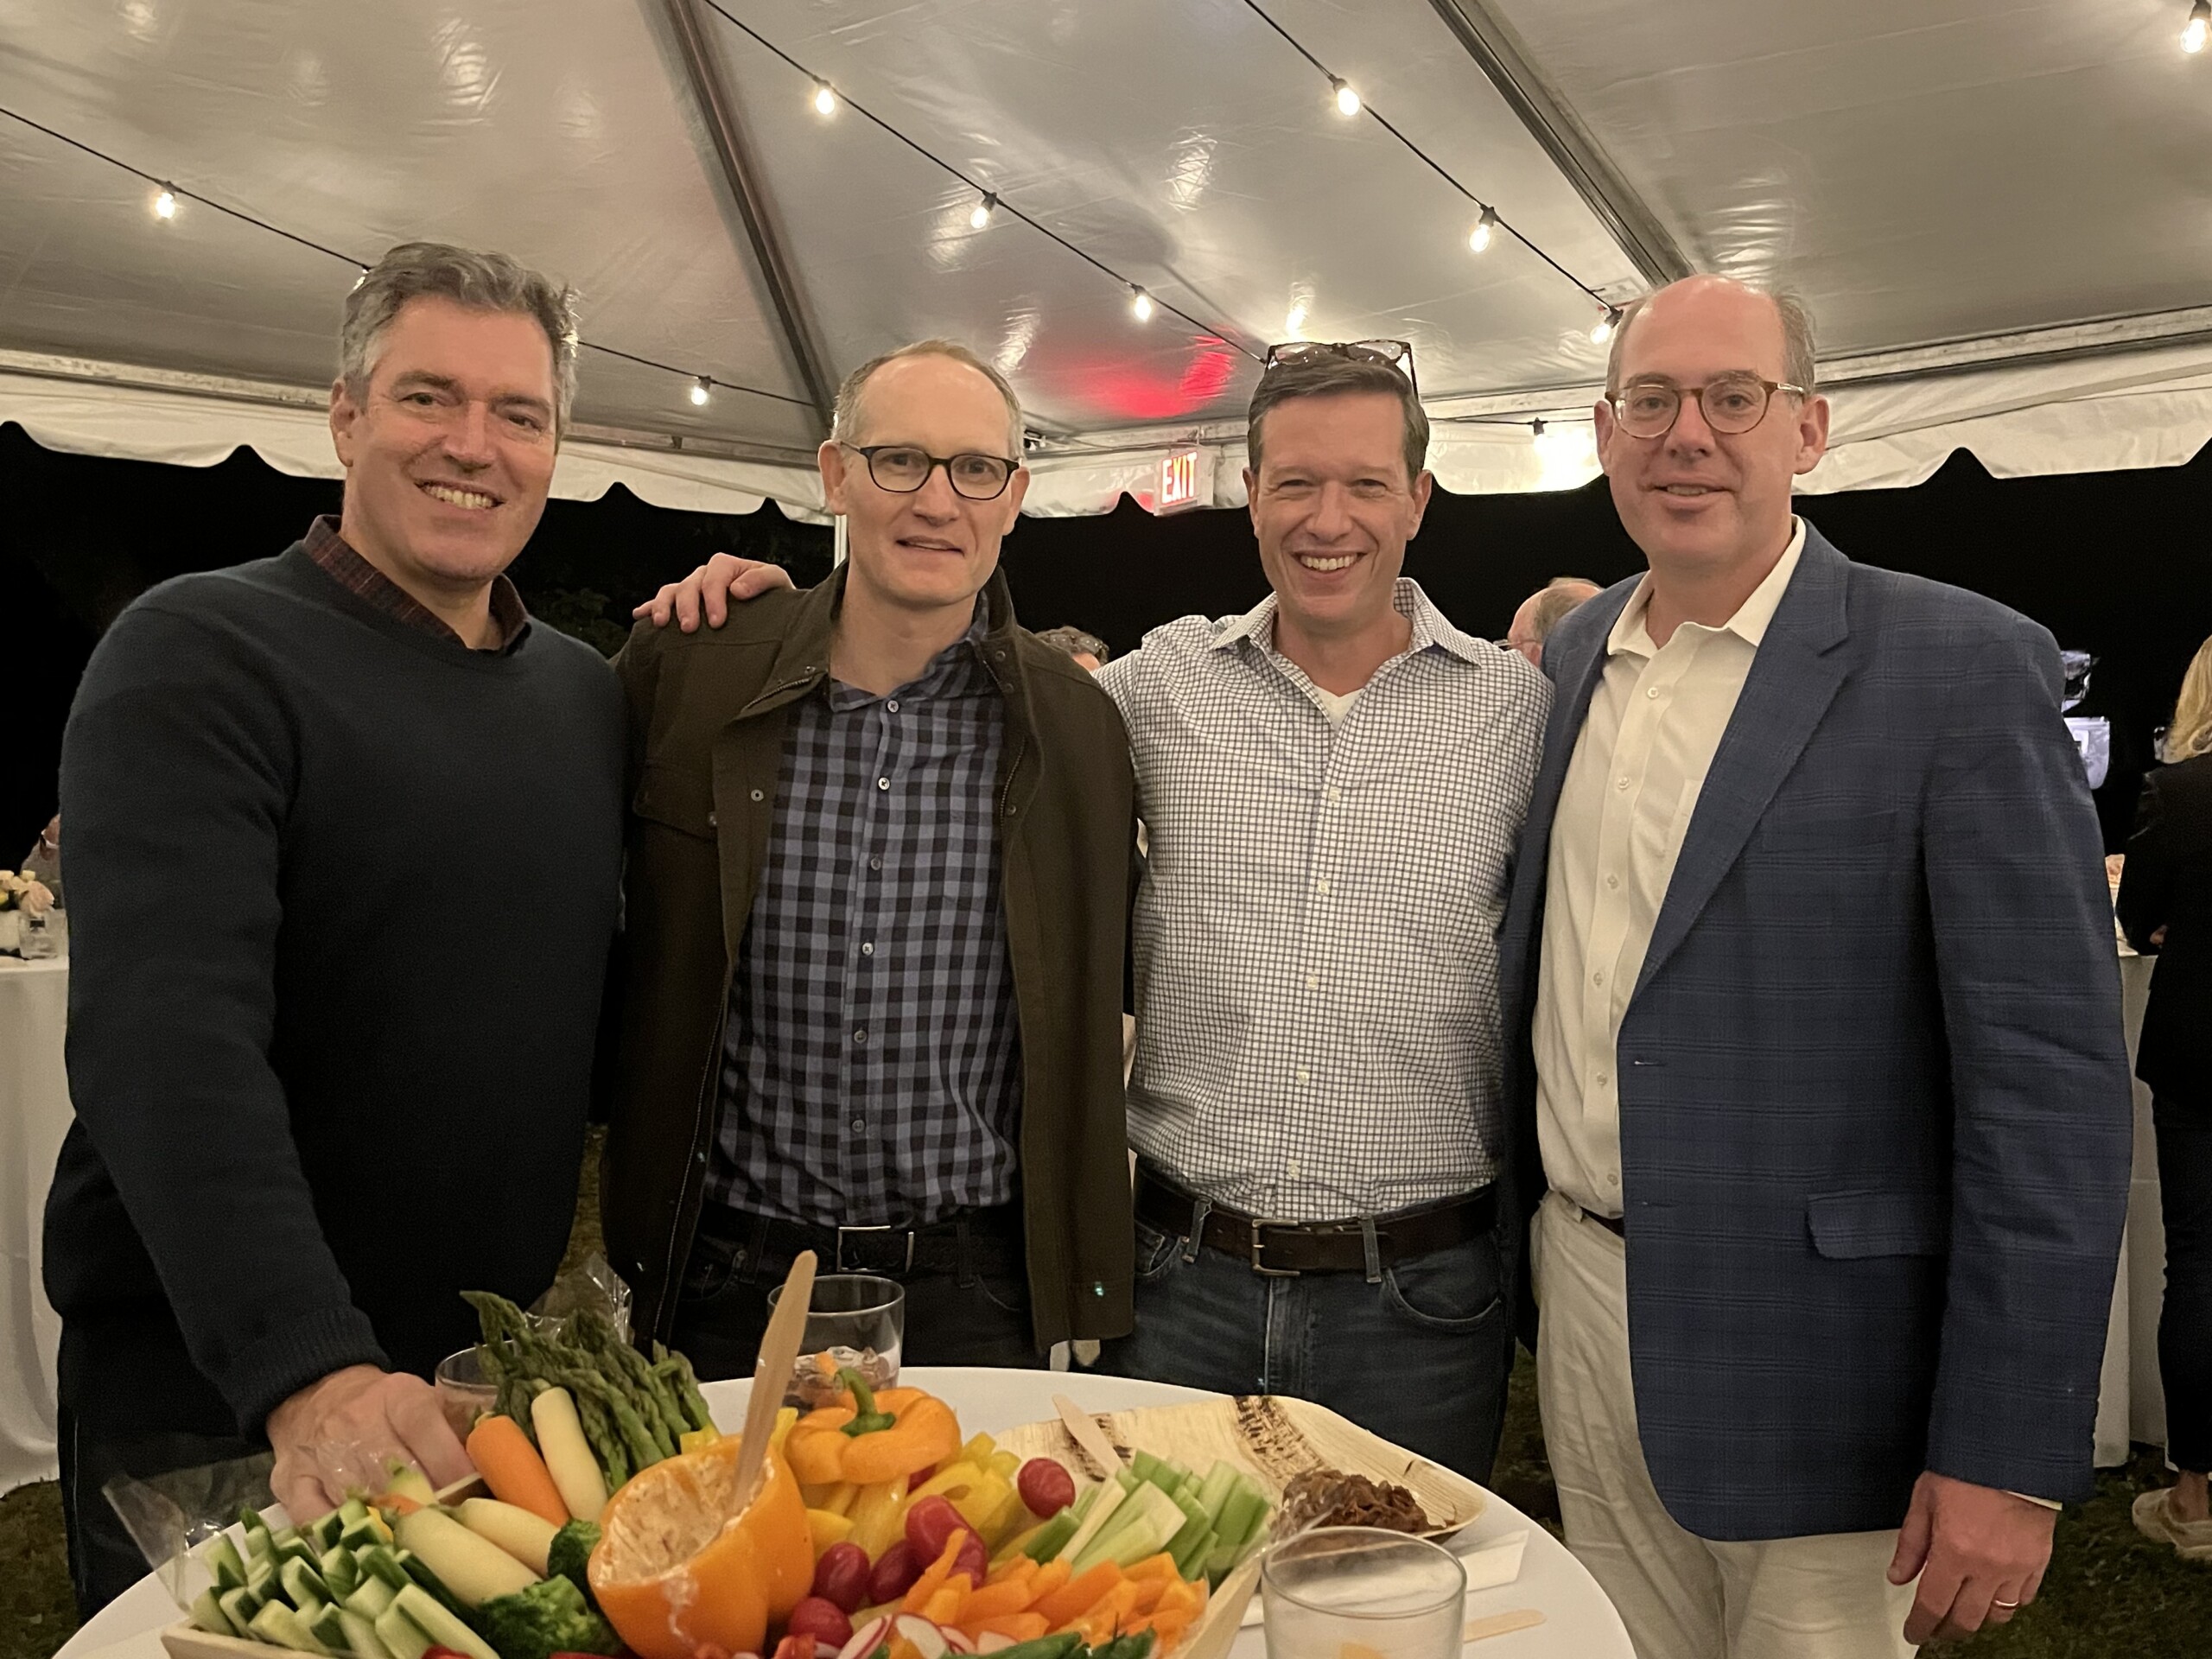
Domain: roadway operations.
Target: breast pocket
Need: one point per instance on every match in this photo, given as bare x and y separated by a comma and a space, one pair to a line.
1836, 833
1854, 1226
678, 798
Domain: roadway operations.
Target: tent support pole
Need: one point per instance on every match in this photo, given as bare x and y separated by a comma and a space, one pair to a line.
1626, 218
748, 191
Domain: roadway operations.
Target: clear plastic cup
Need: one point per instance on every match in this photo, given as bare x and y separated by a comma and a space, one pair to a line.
1361, 1593
463, 1394
855, 1321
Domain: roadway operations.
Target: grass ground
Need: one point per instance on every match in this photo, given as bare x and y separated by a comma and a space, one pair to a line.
2109, 1590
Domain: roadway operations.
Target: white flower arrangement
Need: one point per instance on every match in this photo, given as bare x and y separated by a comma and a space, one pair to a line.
19, 890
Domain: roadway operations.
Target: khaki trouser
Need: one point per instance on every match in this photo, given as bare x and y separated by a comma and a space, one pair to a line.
1680, 1596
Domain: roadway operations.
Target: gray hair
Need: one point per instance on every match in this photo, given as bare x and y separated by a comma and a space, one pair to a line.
845, 425
1326, 374
1800, 362
1075, 643
481, 282
1559, 599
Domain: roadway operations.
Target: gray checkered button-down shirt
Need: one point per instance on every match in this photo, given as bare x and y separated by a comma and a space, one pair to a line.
1318, 1026
871, 1066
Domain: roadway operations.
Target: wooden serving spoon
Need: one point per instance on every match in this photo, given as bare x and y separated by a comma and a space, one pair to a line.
771, 1373
1084, 1429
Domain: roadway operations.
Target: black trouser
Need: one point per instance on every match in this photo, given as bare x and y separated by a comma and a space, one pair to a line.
2184, 1137
967, 1286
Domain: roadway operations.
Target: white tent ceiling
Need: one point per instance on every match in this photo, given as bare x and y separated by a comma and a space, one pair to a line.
2001, 214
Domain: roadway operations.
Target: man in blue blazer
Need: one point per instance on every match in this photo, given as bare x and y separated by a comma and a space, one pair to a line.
1825, 1063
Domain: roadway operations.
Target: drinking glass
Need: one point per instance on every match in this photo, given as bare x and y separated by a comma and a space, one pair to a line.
464, 1394
1360, 1592
857, 1321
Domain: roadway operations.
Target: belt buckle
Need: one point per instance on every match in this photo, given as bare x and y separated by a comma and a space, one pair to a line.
843, 1266
1256, 1223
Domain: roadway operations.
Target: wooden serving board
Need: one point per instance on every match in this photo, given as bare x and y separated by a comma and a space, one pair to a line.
1271, 1438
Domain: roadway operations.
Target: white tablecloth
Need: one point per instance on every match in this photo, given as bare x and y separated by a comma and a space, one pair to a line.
34, 1116
2131, 1404
1579, 1623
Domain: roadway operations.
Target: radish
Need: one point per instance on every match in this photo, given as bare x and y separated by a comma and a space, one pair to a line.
992, 1641
956, 1641
866, 1639
928, 1640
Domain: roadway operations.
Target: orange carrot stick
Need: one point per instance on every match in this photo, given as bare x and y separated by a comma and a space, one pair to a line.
512, 1469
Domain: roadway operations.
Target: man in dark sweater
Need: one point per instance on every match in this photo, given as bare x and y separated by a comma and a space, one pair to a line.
325, 1078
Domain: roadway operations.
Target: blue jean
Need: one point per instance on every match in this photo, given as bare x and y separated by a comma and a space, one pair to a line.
1418, 1356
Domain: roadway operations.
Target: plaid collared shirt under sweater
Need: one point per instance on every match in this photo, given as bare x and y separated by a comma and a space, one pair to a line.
1317, 974
871, 1069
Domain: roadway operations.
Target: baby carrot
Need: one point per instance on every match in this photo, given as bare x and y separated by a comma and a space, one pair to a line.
512, 1469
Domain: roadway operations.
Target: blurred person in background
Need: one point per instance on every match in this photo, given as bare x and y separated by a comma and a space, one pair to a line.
43, 863
1544, 610
1088, 651
2165, 906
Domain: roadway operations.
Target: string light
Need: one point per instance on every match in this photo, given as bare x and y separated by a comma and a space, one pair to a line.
702, 390
1536, 431
1140, 303
1606, 324
1347, 99
1293, 326
825, 101
165, 203
1485, 228
2199, 28
982, 216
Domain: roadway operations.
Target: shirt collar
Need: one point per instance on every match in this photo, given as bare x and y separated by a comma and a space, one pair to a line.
960, 667
1753, 618
1429, 625
345, 566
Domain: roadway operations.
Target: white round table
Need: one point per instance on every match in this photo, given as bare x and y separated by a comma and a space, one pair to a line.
34, 1116
1578, 1621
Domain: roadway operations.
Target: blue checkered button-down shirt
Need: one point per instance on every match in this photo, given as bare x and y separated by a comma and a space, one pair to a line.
871, 1068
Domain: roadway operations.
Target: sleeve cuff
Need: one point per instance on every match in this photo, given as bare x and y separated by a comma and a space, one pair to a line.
262, 1377
2040, 1502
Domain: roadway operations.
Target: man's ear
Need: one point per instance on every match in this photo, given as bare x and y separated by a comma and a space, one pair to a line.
831, 458
344, 413
1811, 433
1252, 498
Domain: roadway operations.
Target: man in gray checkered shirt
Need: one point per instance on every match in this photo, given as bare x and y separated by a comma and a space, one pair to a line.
1332, 784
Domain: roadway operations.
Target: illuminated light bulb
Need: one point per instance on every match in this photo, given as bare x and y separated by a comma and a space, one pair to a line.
1535, 431
825, 101
1606, 324
1295, 324
701, 388
1140, 304
1347, 99
1485, 228
982, 216
2199, 28
165, 204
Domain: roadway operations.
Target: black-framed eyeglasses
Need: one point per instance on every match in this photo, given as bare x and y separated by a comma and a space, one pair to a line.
1731, 403
902, 469
1398, 354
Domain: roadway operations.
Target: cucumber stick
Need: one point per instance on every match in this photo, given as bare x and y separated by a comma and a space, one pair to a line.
207, 1613
401, 1636
371, 1596
426, 1614
282, 1627
362, 1636
1141, 1528
1111, 1495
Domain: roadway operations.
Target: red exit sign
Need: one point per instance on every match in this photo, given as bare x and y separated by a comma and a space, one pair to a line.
1178, 480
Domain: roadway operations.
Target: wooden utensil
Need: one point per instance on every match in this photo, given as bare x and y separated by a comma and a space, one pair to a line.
1521, 1619
771, 1373
1088, 1435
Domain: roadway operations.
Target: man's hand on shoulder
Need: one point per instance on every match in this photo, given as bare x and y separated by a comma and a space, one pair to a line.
342, 1431
707, 591
1979, 1554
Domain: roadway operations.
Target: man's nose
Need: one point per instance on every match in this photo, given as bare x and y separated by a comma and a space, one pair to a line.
937, 499
468, 440
1331, 510
1690, 434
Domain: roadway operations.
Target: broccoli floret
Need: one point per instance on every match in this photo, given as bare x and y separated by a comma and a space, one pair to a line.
571, 1554
547, 1618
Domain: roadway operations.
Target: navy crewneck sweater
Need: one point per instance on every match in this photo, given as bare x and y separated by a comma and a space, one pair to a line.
341, 898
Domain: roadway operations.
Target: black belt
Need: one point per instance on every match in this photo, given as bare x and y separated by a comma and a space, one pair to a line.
890, 1251
1614, 1224
1287, 1247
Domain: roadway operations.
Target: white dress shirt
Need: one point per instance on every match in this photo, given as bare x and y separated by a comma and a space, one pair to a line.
1318, 1016
1656, 717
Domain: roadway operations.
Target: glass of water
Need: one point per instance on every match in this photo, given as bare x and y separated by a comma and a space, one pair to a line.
855, 1321
1361, 1593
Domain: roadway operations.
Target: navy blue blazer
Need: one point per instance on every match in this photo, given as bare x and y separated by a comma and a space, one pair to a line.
1874, 1101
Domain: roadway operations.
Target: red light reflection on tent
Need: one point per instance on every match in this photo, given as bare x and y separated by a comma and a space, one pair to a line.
1128, 392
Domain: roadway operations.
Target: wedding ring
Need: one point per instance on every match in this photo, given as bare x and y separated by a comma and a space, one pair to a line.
2009, 1606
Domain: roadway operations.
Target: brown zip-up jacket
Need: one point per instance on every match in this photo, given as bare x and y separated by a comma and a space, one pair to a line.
707, 713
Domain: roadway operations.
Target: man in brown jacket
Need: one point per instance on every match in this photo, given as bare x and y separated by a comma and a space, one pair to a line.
869, 998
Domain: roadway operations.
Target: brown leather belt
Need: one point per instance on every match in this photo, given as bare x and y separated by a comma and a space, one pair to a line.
1282, 1249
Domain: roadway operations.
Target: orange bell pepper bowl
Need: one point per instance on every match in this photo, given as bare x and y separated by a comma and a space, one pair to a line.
681, 1565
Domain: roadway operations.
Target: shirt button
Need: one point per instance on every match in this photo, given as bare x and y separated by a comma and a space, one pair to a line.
868, 947
1313, 982
1612, 1181
1322, 886
1604, 1079
1620, 783
1305, 1075
713, 822
892, 705
1612, 881
1651, 691
759, 795
1599, 977
860, 1036
858, 1124
885, 783
875, 863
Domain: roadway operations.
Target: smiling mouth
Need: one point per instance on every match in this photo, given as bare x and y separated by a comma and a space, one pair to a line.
927, 544
1325, 562
454, 495
1689, 491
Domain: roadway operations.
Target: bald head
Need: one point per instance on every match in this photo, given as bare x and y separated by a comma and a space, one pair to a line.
1544, 610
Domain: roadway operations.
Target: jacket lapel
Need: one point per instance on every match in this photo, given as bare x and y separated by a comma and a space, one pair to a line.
1792, 679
